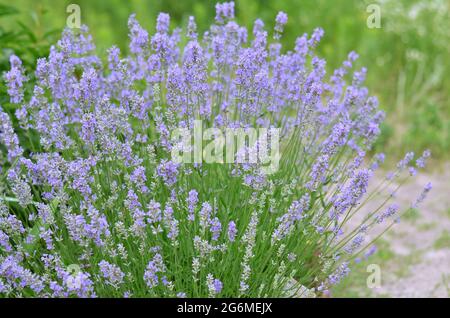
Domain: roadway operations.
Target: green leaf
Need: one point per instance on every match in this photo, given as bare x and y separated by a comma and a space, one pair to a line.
8, 199
27, 31
7, 10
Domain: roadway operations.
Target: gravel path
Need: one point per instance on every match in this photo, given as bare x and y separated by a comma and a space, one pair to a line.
420, 243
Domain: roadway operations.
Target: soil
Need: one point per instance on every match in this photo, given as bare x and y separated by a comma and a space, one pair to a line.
420, 242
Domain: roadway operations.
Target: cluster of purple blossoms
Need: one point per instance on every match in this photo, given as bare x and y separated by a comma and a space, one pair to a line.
9, 138
94, 183
15, 79
422, 195
390, 211
224, 11
352, 193
171, 223
288, 220
192, 202
111, 272
341, 272
214, 285
79, 284
154, 267
232, 231
168, 171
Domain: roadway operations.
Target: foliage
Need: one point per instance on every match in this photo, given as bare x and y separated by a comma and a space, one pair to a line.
89, 181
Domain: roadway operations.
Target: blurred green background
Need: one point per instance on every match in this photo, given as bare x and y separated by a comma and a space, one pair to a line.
407, 58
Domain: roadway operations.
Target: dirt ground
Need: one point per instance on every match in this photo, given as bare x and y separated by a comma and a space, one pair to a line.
420, 242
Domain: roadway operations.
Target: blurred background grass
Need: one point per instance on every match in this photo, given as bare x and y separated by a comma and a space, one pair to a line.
407, 58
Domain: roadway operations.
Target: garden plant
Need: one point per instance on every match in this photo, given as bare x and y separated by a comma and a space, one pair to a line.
93, 203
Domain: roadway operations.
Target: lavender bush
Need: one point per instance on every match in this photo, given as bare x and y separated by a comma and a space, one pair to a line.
92, 203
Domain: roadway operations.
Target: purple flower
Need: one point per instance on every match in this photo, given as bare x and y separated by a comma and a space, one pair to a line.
341, 272
420, 162
19, 277
378, 159
4, 242
217, 286
154, 211
80, 170
280, 20
354, 244
224, 11
316, 37
288, 220
79, 284
138, 36
162, 23
170, 223
111, 273
205, 215
232, 231
154, 267
20, 188
214, 285
422, 195
93, 227
215, 228
390, 211
168, 171
372, 250
192, 201
139, 178
402, 164
352, 193
14, 80
192, 28
9, 138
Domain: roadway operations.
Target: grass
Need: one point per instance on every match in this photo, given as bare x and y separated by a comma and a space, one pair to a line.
443, 241
424, 227
446, 283
356, 285
390, 263
447, 213
405, 263
412, 216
